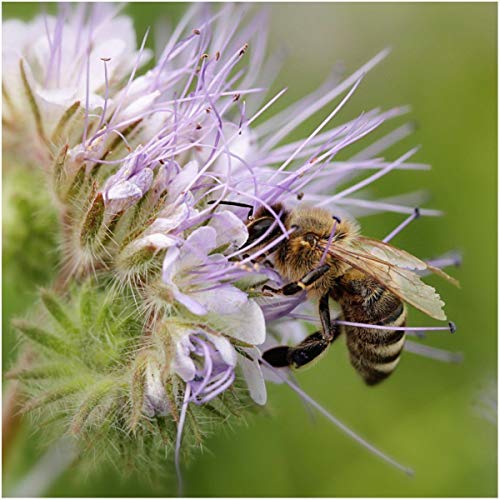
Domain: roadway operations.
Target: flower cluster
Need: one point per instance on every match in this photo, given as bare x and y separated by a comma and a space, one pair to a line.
157, 319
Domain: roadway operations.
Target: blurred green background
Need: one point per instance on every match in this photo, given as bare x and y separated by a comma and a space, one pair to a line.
443, 64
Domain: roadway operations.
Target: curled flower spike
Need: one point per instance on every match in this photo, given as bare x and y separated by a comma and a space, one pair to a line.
210, 371
216, 375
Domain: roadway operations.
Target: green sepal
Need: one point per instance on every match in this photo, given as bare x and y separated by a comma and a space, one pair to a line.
137, 389
99, 391
64, 120
61, 391
56, 310
33, 104
42, 372
59, 174
93, 221
45, 339
87, 304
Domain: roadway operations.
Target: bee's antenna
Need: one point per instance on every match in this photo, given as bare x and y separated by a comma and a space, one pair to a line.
330, 239
233, 204
415, 215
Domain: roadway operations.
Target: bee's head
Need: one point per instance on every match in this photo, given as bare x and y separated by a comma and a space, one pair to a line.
263, 226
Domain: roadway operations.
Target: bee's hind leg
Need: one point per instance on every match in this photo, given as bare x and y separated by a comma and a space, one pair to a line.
300, 355
331, 331
311, 347
303, 284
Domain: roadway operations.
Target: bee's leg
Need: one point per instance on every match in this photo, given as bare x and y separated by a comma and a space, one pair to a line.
300, 355
297, 286
311, 347
330, 330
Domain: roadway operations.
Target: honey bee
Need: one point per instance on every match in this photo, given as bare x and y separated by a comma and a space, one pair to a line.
372, 282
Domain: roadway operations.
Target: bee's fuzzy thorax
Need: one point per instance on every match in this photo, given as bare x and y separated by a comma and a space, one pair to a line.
303, 251
346, 230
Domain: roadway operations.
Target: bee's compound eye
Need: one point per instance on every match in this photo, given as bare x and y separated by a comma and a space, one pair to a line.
310, 238
258, 228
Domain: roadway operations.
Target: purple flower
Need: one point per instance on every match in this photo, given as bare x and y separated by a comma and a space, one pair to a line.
129, 184
214, 373
207, 363
187, 270
63, 61
146, 162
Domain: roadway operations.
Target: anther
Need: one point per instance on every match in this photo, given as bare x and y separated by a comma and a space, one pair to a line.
217, 55
416, 212
338, 219
313, 160
208, 110
105, 59
236, 97
196, 32
198, 126
204, 56
300, 195
453, 327
243, 50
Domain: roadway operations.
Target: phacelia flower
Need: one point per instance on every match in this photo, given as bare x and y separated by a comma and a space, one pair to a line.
54, 72
158, 318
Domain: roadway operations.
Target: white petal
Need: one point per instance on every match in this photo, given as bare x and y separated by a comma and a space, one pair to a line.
170, 219
182, 364
181, 181
239, 144
143, 179
139, 105
253, 376
191, 303
124, 190
225, 299
197, 246
62, 96
225, 348
247, 324
157, 240
230, 229
169, 263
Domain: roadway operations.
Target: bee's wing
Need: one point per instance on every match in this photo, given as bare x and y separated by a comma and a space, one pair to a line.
404, 283
399, 257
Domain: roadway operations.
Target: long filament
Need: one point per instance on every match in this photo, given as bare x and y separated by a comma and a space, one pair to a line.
337, 422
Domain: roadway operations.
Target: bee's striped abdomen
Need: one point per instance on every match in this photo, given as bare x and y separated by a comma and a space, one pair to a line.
375, 353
